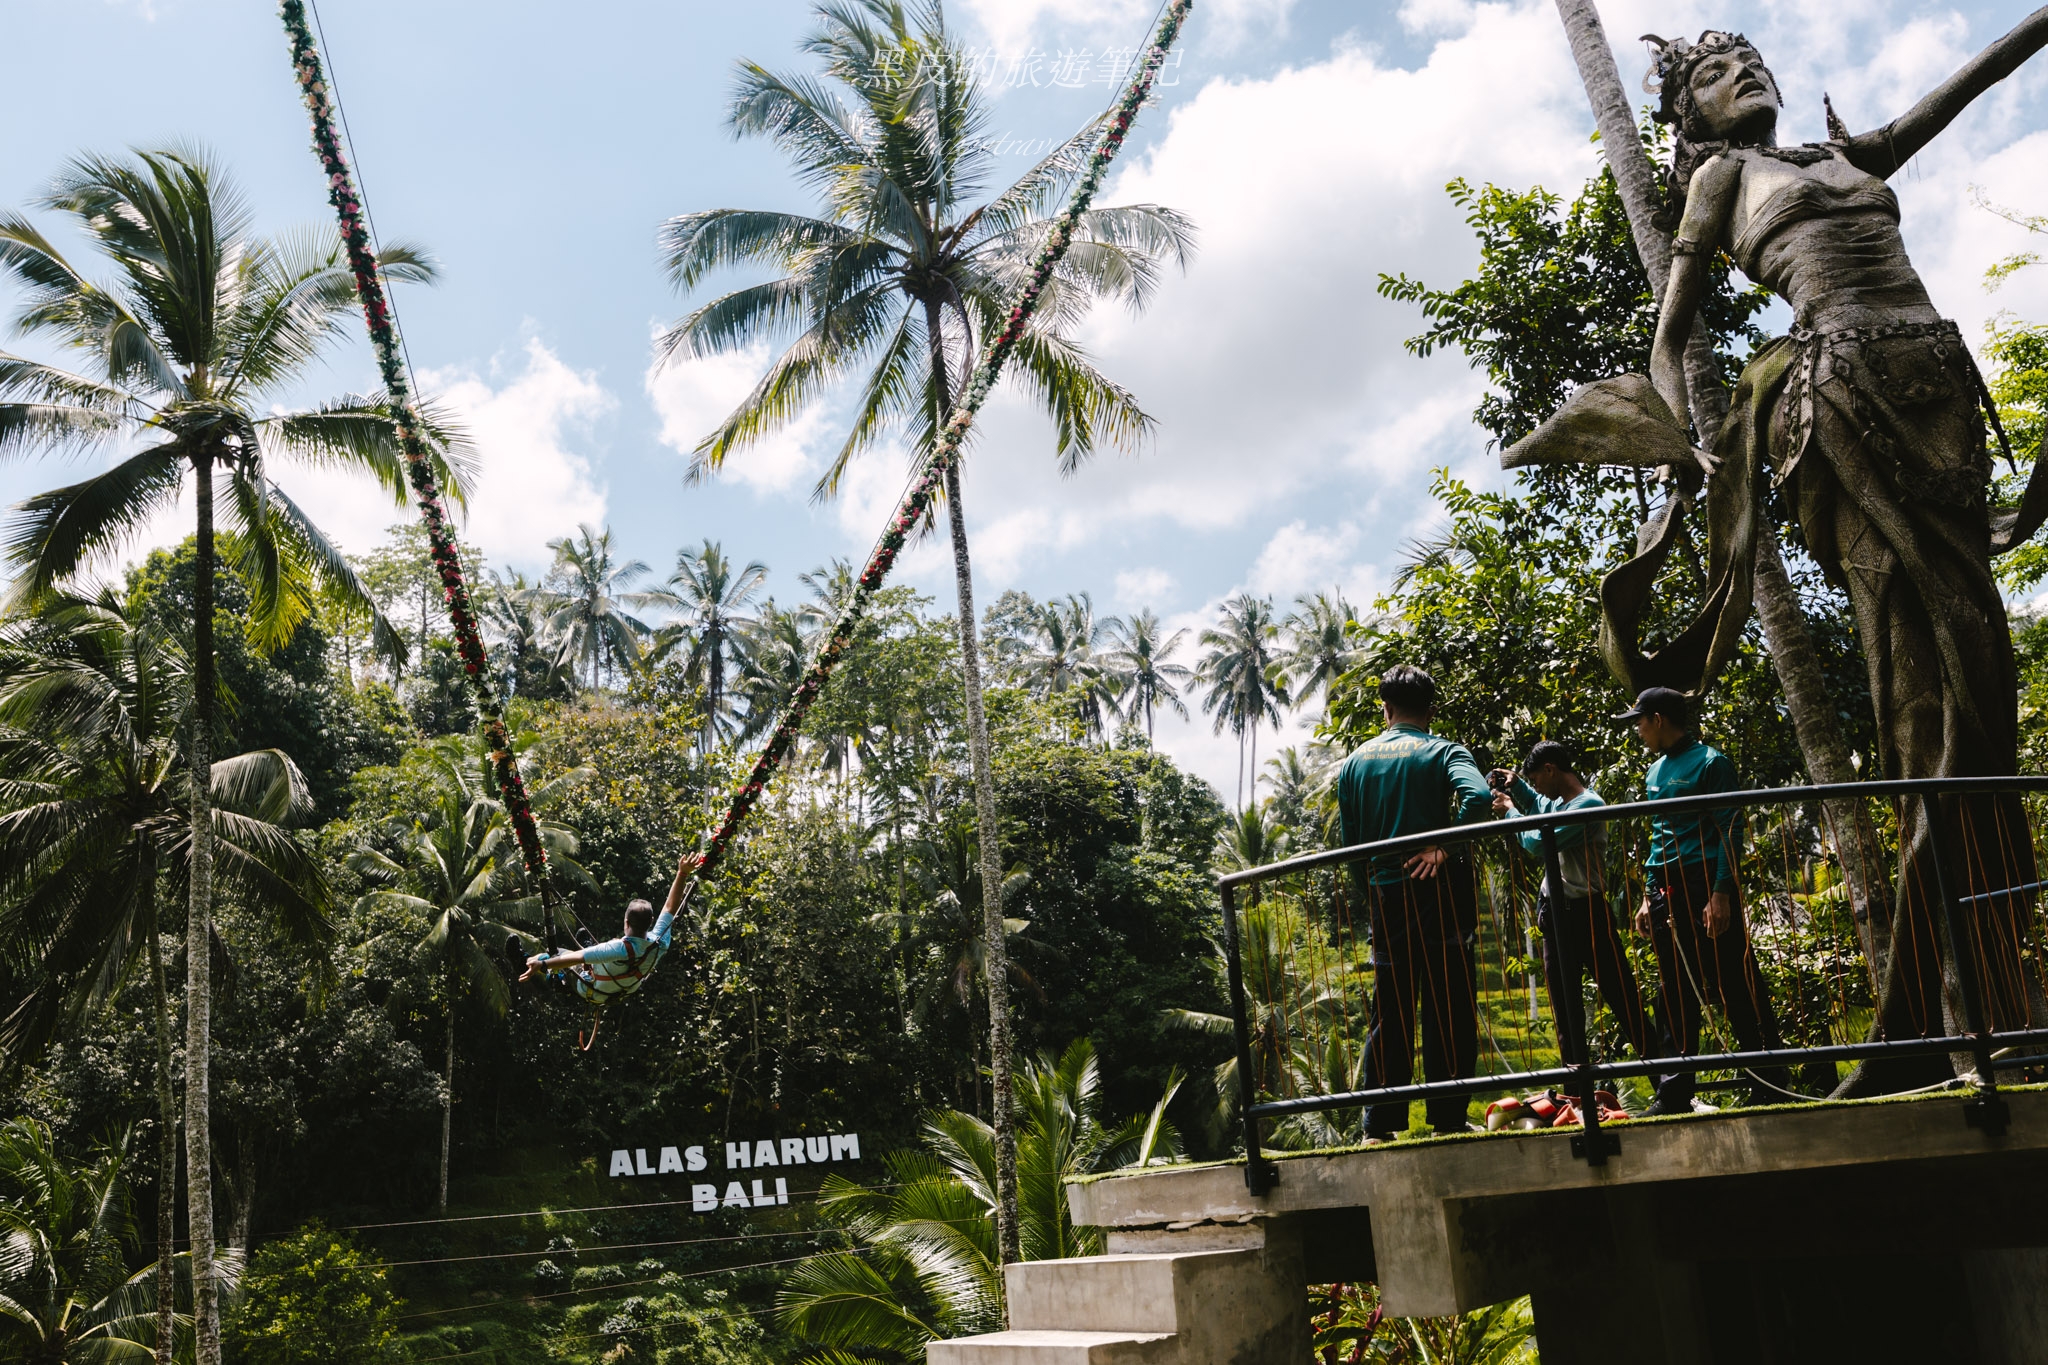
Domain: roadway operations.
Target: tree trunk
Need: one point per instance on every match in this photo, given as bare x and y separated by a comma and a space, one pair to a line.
447, 1101
1256, 760
199, 943
242, 1193
167, 1135
997, 961
1786, 634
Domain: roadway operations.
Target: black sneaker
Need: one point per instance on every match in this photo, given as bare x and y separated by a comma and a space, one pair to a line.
1664, 1106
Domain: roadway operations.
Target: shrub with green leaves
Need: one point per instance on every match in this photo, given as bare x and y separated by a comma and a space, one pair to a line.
313, 1298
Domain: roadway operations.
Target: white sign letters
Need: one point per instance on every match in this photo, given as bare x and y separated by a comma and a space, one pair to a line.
740, 1156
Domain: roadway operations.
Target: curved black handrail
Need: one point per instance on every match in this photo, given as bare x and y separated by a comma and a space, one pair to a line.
1985, 1111
1588, 815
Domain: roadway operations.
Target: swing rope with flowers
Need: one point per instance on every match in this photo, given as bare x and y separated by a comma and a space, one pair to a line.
347, 199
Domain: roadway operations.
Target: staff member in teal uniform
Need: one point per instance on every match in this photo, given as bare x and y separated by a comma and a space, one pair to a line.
1575, 917
1692, 908
1424, 908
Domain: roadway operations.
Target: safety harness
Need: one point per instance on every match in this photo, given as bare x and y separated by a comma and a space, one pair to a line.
609, 981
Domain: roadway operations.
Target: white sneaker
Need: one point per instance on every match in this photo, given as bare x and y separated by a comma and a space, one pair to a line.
1700, 1106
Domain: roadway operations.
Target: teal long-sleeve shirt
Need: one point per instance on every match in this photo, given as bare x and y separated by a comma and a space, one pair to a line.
1572, 861
1403, 781
1713, 837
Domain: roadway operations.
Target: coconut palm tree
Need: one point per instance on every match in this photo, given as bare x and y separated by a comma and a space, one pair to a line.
1063, 660
926, 1264
831, 587
1295, 993
1319, 649
186, 352
949, 930
65, 1292
1244, 675
892, 139
517, 613
778, 650
93, 814
451, 870
1141, 664
589, 620
712, 598
1303, 797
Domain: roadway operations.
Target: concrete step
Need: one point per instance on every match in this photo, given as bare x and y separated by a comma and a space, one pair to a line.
1040, 1346
1133, 1292
1129, 1293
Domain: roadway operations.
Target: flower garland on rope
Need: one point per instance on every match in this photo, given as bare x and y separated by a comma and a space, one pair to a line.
947, 450
362, 259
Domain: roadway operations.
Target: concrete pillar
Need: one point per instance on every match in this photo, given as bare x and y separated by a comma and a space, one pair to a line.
2009, 1299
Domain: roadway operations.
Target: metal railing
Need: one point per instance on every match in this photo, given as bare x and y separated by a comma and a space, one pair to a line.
1990, 829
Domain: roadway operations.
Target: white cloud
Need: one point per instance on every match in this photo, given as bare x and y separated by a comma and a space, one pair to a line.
533, 484
1013, 25
1138, 589
1438, 16
1300, 559
693, 396
1274, 368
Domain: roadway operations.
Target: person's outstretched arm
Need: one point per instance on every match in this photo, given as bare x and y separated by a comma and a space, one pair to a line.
1883, 150
686, 869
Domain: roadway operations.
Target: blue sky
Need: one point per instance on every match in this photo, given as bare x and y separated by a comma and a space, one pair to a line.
535, 148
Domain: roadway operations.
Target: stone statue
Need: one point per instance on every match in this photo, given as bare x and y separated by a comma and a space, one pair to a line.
1868, 416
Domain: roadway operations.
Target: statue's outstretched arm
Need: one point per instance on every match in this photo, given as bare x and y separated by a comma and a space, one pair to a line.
1709, 199
1884, 150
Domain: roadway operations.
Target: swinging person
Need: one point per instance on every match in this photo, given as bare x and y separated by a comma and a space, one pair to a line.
605, 971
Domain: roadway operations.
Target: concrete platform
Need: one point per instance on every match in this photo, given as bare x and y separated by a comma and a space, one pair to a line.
1705, 1239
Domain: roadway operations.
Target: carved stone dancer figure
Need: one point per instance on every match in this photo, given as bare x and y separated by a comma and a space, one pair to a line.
1868, 414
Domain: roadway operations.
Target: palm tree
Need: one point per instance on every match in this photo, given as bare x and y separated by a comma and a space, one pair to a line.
1256, 837
831, 588
1319, 649
1303, 799
1243, 674
1141, 664
712, 599
778, 649
189, 348
926, 1264
65, 1294
93, 811
451, 870
588, 619
1063, 659
897, 152
950, 930
1296, 994
517, 613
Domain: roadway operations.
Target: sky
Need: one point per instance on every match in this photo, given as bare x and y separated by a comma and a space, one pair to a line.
535, 149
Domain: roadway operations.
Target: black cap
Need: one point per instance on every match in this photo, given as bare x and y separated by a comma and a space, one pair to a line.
1661, 701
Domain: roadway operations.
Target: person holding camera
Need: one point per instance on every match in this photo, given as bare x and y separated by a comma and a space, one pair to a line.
1691, 909
1423, 908
1571, 908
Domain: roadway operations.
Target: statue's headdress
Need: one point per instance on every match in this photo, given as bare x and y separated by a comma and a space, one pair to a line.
1670, 75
